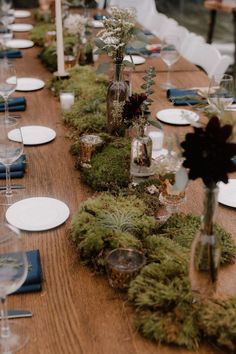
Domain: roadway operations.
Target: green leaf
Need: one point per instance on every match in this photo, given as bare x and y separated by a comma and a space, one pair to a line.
99, 43
155, 123
128, 63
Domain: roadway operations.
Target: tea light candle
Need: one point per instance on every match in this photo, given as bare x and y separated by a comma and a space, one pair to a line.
157, 137
67, 99
123, 264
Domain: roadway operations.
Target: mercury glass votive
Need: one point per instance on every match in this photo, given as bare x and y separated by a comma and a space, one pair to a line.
70, 61
123, 265
67, 99
88, 144
50, 38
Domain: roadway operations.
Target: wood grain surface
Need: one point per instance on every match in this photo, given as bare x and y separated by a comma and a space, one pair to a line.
77, 312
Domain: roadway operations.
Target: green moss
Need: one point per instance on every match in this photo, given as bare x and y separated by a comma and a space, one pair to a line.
110, 168
38, 33
48, 57
95, 235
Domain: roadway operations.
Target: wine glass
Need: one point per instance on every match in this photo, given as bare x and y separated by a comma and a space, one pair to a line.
5, 5
8, 82
170, 55
221, 92
13, 272
10, 151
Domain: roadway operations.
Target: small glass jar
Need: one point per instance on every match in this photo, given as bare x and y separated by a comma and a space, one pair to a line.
88, 144
123, 265
67, 99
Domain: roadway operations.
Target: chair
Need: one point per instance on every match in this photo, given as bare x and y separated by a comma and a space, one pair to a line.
209, 59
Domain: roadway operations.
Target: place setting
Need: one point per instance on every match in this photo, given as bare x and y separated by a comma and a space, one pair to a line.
135, 59
33, 135
176, 116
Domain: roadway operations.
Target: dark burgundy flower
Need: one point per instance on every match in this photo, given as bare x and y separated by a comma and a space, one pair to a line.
133, 107
208, 154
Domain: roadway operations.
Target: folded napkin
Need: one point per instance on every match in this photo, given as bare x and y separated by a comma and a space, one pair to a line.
17, 169
147, 32
14, 104
142, 51
11, 54
4, 30
34, 278
182, 97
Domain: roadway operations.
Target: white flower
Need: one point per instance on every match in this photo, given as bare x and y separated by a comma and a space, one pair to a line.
75, 24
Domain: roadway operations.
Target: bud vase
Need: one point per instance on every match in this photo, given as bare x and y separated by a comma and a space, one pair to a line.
141, 155
205, 255
117, 94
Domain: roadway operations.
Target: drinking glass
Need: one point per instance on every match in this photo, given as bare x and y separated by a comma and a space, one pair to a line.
5, 5
10, 151
8, 82
13, 272
170, 55
221, 92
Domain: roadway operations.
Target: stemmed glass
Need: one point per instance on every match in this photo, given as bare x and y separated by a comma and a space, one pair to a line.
8, 83
10, 151
13, 272
221, 92
170, 55
5, 5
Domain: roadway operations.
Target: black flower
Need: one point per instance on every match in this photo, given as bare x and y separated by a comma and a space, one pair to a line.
133, 108
208, 154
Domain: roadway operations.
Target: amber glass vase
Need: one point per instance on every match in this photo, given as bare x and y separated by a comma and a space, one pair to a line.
117, 94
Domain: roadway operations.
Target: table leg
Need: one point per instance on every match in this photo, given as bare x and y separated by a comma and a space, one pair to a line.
211, 26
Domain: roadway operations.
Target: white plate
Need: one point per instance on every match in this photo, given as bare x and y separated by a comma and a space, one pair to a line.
33, 134
97, 24
37, 214
227, 193
29, 84
19, 43
136, 59
21, 27
22, 13
177, 116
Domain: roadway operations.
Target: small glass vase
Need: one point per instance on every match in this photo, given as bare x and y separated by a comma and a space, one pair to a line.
141, 155
117, 94
205, 253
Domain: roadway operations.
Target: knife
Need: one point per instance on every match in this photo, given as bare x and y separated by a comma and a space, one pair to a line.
13, 186
18, 313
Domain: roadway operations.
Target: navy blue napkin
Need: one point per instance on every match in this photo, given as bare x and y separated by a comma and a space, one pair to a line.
177, 97
14, 104
17, 169
34, 278
142, 51
11, 53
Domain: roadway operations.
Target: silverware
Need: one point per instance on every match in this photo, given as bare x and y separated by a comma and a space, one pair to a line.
18, 313
13, 186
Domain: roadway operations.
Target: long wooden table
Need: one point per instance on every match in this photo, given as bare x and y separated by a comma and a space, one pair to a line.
77, 312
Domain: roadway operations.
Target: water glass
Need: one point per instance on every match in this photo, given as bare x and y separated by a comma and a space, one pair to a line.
221, 92
170, 55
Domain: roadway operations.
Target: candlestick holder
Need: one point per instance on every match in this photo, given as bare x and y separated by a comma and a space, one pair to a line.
123, 265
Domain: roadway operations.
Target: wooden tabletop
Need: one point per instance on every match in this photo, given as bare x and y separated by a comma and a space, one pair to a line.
77, 312
226, 6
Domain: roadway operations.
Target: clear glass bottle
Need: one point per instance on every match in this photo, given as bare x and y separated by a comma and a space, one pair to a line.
117, 94
206, 250
141, 155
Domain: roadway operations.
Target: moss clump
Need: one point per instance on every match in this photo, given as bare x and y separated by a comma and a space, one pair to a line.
38, 33
108, 222
110, 168
217, 322
182, 229
161, 294
48, 57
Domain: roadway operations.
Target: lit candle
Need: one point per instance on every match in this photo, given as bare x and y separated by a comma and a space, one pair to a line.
67, 99
60, 46
157, 137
